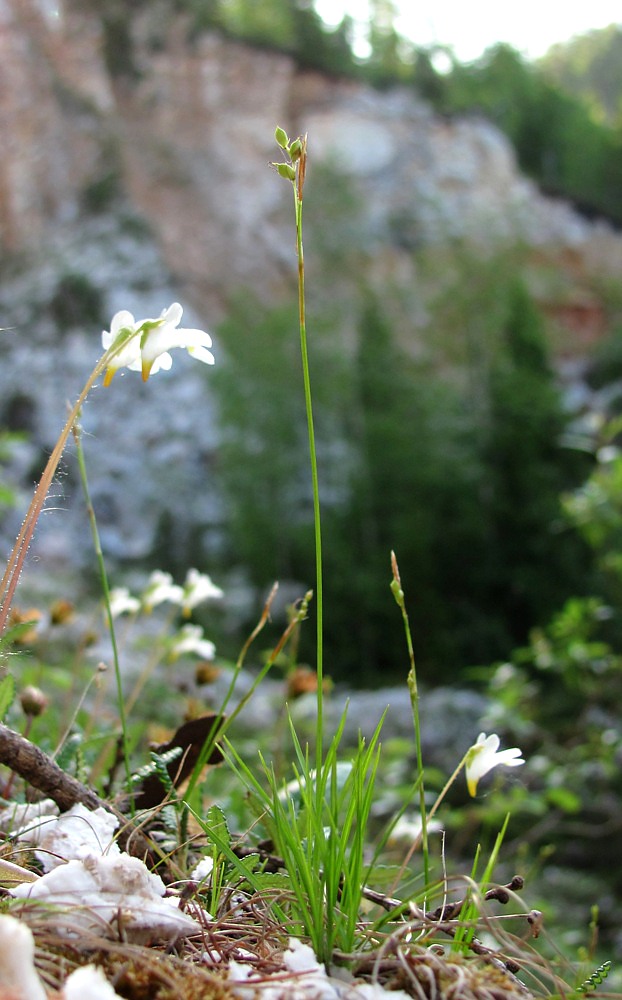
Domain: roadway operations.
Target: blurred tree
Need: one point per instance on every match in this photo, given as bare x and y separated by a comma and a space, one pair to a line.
391, 57
526, 470
590, 67
467, 495
556, 140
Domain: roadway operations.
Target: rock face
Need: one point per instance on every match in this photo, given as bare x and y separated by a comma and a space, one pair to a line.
188, 136
129, 184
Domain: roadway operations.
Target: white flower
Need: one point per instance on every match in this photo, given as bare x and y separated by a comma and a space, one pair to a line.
144, 345
198, 587
124, 330
160, 588
409, 828
484, 755
190, 639
163, 336
122, 602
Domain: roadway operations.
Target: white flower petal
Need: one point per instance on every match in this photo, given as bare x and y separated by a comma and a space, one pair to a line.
190, 639
120, 321
172, 314
198, 587
145, 343
160, 588
484, 755
122, 602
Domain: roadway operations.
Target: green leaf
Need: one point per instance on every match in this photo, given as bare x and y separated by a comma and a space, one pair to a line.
564, 799
12, 634
7, 693
216, 824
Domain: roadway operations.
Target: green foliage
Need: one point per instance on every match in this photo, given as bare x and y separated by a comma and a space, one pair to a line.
461, 478
100, 194
556, 139
525, 472
292, 26
596, 979
7, 693
561, 697
9, 438
264, 451
77, 301
590, 67
596, 510
319, 827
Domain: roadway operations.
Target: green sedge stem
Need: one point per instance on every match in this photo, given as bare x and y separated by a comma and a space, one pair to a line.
297, 185
413, 690
426, 820
77, 435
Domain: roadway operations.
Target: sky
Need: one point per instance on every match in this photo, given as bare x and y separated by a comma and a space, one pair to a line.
471, 26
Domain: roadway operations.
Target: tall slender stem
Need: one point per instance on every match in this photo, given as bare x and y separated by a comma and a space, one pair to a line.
294, 170
77, 435
298, 185
15, 562
18, 554
413, 690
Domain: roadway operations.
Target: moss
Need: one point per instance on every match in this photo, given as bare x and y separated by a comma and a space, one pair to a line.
100, 194
77, 302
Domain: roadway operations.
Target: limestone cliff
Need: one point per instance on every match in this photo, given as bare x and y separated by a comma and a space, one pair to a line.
129, 183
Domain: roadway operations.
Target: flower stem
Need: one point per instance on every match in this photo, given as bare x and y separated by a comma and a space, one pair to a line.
18, 554
16, 559
77, 436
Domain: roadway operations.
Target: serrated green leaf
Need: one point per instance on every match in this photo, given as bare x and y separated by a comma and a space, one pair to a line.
216, 822
13, 633
7, 693
273, 880
69, 751
250, 861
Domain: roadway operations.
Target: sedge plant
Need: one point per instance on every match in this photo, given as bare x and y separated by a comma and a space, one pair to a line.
318, 822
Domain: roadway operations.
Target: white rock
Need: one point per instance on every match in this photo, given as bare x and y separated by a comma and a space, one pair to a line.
61, 837
75, 834
88, 983
103, 888
23, 821
308, 981
17, 970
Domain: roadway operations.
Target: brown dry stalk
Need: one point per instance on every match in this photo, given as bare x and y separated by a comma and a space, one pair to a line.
39, 770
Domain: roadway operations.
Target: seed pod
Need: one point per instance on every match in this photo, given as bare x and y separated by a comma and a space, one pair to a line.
33, 701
